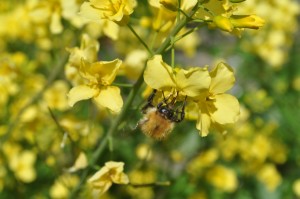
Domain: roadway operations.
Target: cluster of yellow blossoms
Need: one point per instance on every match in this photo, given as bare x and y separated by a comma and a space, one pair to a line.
44, 80
273, 42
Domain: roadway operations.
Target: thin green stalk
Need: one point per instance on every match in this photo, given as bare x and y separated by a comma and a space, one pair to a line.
60, 128
140, 39
154, 184
122, 85
182, 36
181, 11
153, 39
172, 53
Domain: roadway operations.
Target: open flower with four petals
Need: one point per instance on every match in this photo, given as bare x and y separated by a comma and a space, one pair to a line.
216, 107
117, 11
111, 173
98, 78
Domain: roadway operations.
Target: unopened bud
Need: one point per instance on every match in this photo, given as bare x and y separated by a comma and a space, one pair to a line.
247, 21
223, 23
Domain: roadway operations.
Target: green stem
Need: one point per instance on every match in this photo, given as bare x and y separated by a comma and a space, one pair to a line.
182, 36
140, 39
60, 128
122, 85
181, 11
154, 184
153, 39
172, 52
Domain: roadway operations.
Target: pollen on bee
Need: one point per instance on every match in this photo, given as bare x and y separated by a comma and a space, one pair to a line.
156, 125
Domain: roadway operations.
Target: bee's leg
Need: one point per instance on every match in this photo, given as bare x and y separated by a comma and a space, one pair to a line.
174, 99
149, 101
164, 101
182, 113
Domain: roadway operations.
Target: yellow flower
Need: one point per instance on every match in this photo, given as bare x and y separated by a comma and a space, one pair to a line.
102, 27
62, 186
269, 175
88, 51
202, 161
98, 76
222, 178
55, 96
111, 173
246, 21
134, 63
80, 163
22, 164
117, 11
217, 107
296, 187
192, 82
223, 23
230, 24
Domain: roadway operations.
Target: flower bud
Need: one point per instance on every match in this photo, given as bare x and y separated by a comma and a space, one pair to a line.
223, 23
247, 21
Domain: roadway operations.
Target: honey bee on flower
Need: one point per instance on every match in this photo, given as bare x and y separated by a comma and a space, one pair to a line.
158, 121
196, 86
160, 118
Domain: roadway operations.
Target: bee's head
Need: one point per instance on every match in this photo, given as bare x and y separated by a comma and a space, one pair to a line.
166, 112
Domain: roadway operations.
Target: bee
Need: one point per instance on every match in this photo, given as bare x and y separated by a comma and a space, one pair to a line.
158, 121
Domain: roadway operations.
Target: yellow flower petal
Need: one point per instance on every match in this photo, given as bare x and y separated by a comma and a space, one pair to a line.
223, 23
119, 177
117, 11
80, 163
106, 71
269, 176
194, 81
23, 166
110, 98
81, 92
226, 109
112, 172
26, 174
222, 78
222, 178
111, 29
158, 75
296, 187
98, 175
55, 25
187, 5
203, 122
89, 12
118, 16
247, 21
